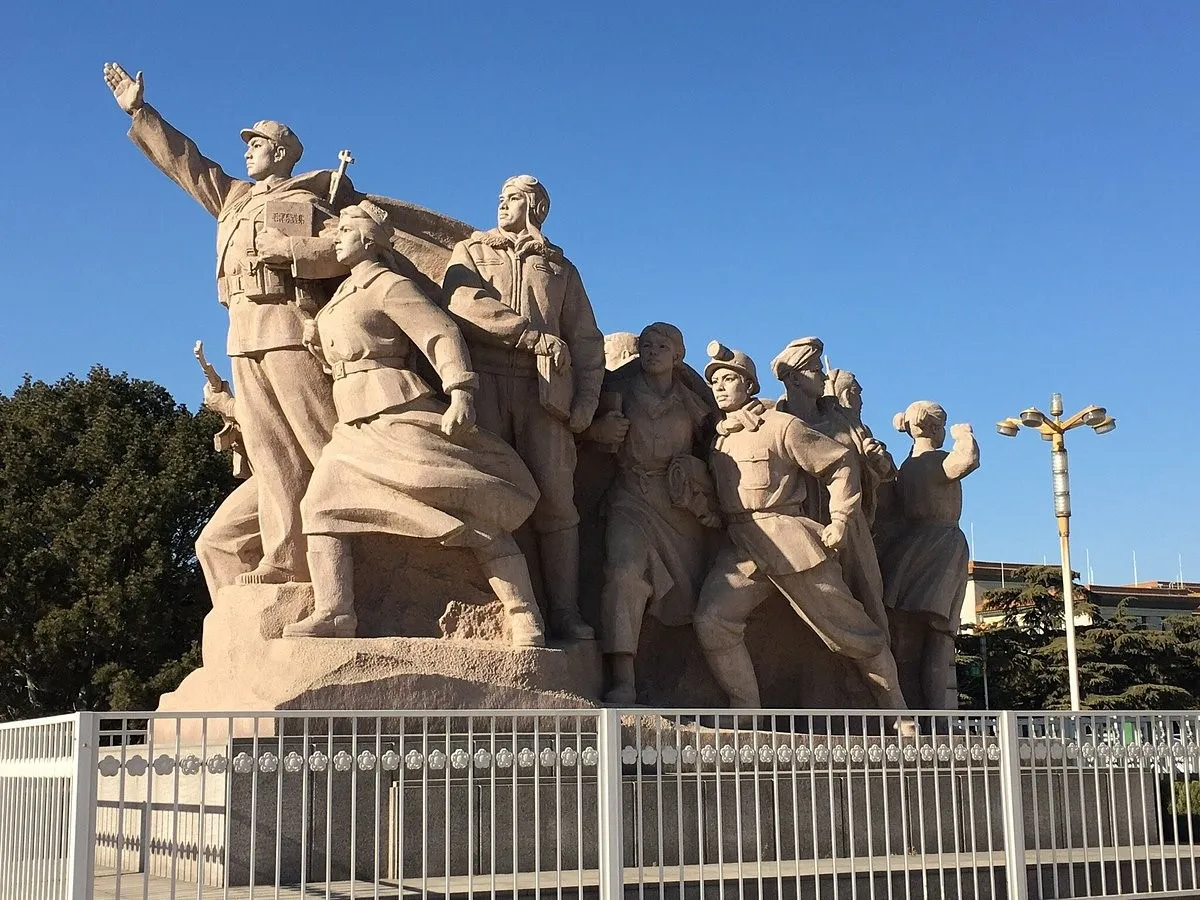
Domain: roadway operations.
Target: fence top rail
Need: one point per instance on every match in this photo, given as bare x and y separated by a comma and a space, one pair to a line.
581, 713
812, 713
44, 720
1107, 713
592, 712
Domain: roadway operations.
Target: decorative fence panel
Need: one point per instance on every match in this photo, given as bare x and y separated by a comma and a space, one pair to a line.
600, 803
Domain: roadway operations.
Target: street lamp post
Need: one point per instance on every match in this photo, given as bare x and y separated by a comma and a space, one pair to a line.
1053, 428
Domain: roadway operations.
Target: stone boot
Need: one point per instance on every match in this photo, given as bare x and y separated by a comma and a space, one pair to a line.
509, 580
560, 570
332, 571
265, 574
622, 686
729, 661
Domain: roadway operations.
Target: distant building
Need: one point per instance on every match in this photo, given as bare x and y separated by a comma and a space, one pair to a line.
1149, 601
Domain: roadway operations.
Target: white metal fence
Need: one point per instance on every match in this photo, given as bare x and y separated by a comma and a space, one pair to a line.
600, 803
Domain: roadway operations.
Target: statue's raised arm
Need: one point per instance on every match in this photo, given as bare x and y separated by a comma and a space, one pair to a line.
171, 151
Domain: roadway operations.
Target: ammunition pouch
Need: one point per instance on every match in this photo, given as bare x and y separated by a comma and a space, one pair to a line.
260, 284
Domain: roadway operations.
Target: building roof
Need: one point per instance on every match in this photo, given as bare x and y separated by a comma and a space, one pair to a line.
1167, 595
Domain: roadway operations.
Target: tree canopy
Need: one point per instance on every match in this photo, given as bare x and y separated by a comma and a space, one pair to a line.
104, 485
1123, 664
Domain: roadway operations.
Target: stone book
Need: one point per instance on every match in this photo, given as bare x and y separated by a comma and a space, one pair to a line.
289, 216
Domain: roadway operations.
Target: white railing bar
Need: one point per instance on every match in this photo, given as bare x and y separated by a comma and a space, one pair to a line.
1013, 812
612, 869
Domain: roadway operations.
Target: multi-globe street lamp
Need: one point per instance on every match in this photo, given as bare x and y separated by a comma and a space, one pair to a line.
1053, 428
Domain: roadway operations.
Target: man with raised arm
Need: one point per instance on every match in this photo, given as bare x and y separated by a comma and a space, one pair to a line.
272, 281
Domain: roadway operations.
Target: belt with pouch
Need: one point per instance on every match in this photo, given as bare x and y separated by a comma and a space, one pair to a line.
344, 367
263, 285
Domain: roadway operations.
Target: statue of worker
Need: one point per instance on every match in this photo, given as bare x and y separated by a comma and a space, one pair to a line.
925, 568
540, 359
659, 503
799, 367
272, 282
761, 463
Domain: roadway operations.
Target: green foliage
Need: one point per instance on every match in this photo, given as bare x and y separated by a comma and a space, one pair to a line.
104, 485
1122, 663
1035, 603
1125, 665
1186, 798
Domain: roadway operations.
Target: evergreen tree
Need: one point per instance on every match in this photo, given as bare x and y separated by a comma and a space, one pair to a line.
1122, 663
104, 485
1034, 604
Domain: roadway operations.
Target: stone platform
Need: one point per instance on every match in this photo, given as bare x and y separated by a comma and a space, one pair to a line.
249, 665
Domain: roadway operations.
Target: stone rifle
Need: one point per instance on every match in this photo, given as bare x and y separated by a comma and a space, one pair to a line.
230, 436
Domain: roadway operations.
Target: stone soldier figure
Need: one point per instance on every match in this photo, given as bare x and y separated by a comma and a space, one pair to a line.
401, 461
925, 568
230, 544
540, 358
761, 463
798, 366
271, 282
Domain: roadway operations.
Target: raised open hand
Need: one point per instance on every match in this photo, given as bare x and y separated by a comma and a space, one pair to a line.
127, 91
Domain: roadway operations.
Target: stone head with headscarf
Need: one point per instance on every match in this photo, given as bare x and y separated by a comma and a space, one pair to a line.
372, 224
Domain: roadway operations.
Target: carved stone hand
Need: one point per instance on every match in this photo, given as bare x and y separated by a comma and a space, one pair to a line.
610, 428
834, 534
127, 91
459, 419
273, 246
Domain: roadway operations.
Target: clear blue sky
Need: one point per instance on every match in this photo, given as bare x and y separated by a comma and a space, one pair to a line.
975, 203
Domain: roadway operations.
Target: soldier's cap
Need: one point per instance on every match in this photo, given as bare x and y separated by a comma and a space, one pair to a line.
796, 354
277, 132
722, 357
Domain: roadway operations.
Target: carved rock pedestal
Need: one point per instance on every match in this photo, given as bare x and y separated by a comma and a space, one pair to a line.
462, 660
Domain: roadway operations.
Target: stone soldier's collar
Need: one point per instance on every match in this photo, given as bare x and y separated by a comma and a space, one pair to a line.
362, 276
359, 278
750, 418
523, 246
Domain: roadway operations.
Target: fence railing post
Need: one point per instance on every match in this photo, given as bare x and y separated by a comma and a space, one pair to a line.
82, 835
612, 862
1013, 808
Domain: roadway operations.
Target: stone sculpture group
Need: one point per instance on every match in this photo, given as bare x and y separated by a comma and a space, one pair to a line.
400, 377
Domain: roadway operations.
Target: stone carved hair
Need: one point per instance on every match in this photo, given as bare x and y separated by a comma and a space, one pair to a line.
539, 197
918, 415
671, 333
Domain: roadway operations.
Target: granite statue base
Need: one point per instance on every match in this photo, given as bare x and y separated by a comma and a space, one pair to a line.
248, 665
